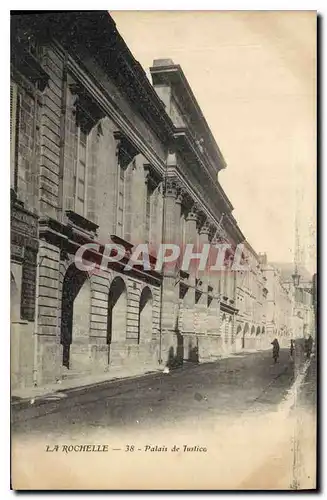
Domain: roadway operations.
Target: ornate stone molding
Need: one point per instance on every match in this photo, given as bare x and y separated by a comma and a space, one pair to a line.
193, 213
152, 178
75, 220
27, 60
87, 111
125, 150
171, 187
180, 195
205, 227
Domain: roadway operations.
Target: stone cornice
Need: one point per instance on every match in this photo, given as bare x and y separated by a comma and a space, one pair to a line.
110, 51
104, 100
87, 112
151, 176
185, 141
25, 61
69, 239
173, 74
126, 151
195, 201
205, 182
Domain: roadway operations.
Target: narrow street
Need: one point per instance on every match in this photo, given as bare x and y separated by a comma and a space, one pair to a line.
232, 385
228, 414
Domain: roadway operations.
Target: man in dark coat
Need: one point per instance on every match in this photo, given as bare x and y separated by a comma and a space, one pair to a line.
308, 346
292, 348
275, 353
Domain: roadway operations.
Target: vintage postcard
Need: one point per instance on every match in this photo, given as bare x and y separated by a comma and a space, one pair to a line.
163, 250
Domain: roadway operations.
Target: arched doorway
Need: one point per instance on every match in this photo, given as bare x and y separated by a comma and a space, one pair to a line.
229, 332
75, 318
223, 331
238, 337
258, 331
117, 311
245, 331
145, 315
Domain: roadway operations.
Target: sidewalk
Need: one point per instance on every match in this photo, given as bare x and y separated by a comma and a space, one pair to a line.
22, 397
61, 389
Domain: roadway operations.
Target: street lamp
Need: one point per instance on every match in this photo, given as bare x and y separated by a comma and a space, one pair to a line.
296, 278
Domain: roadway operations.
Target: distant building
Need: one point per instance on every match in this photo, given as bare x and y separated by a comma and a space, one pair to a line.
303, 296
278, 303
290, 307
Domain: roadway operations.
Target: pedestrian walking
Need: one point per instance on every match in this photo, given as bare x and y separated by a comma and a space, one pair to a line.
292, 348
308, 346
275, 352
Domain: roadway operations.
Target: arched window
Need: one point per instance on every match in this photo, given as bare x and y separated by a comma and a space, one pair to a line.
117, 311
75, 310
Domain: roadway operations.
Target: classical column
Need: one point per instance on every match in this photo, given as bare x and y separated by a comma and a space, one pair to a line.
171, 209
188, 302
191, 220
152, 181
202, 282
203, 243
170, 293
214, 283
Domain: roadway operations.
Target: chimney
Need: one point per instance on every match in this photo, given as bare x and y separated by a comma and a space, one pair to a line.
163, 62
263, 259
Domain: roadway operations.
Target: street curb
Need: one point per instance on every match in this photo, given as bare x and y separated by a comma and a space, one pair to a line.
24, 403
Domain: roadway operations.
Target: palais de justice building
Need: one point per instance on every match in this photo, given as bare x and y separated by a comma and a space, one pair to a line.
99, 154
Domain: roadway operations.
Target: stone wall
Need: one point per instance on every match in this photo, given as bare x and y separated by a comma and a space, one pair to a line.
50, 134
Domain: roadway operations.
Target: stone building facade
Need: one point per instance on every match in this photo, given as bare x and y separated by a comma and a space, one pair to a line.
281, 317
199, 308
99, 155
88, 165
302, 294
251, 302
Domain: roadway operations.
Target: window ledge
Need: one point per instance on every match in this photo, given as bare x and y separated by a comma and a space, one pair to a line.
81, 222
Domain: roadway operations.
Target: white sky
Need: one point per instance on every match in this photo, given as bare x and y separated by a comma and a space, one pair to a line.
253, 74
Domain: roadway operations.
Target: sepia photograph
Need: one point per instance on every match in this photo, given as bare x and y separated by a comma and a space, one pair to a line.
163, 250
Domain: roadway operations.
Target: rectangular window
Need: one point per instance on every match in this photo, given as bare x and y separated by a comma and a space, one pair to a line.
81, 173
120, 203
14, 127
